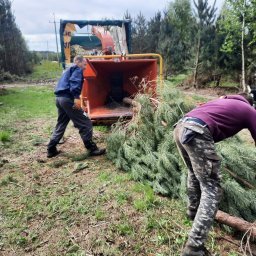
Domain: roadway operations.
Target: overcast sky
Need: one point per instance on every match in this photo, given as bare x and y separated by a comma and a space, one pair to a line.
33, 16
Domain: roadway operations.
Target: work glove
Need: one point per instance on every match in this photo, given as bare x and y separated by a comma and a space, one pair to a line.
77, 104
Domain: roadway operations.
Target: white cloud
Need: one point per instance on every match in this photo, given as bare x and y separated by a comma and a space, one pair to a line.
41, 42
33, 16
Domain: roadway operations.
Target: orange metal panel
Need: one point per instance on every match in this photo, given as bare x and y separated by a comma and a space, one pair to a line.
105, 38
104, 112
89, 72
132, 75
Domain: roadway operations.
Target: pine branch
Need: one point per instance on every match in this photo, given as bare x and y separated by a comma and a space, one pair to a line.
239, 179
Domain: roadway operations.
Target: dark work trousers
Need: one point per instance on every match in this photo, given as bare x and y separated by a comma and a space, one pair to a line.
204, 189
66, 112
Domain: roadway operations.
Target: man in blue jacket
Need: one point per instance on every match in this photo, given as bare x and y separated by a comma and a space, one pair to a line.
67, 93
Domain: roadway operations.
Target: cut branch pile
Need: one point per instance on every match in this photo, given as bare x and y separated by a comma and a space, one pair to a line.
145, 147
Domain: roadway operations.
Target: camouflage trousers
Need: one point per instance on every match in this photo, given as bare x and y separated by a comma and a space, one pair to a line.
203, 184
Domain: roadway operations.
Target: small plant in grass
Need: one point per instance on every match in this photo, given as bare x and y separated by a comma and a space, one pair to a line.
181, 239
124, 229
138, 187
149, 199
199, 98
73, 249
21, 241
58, 163
37, 140
233, 254
8, 179
79, 157
151, 224
62, 205
104, 177
82, 209
101, 128
120, 178
162, 239
48, 129
36, 176
5, 136
99, 215
122, 197
140, 205
103, 198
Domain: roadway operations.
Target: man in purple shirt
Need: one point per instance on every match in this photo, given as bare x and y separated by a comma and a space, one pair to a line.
195, 135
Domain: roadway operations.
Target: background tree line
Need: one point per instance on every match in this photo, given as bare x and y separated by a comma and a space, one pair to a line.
192, 36
195, 38
15, 57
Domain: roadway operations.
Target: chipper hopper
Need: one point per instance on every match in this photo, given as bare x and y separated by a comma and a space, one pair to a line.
112, 76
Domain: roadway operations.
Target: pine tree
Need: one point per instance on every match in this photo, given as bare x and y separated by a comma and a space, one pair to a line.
14, 57
176, 36
127, 15
153, 32
205, 15
164, 44
139, 34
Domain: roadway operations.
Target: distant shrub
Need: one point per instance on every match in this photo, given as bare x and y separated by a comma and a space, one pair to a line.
8, 77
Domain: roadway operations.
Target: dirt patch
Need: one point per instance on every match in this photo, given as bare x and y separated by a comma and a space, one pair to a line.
28, 84
209, 93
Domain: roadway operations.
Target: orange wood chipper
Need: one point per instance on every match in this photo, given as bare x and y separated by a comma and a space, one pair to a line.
112, 74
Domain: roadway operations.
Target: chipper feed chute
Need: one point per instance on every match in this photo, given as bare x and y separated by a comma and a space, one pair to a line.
110, 79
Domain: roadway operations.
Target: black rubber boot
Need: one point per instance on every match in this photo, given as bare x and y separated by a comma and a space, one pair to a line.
51, 149
195, 251
52, 152
93, 149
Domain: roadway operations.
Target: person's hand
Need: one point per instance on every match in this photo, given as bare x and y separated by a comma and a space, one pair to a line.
77, 104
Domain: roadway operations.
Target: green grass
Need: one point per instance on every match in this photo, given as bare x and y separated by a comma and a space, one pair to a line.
47, 70
177, 79
5, 136
226, 81
124, 229
26, 103
101, 128
7, 180
47, 209
198, 98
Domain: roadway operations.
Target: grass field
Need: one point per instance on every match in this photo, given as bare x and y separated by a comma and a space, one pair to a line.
46, 70
75, 205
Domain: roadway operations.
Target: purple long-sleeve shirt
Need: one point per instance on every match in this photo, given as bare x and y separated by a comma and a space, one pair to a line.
226, 117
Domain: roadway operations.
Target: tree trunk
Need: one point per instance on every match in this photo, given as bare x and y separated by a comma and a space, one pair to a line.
242, 48
197, 61
237, 223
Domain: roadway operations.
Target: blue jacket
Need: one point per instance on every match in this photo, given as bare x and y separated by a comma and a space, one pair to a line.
70, 83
